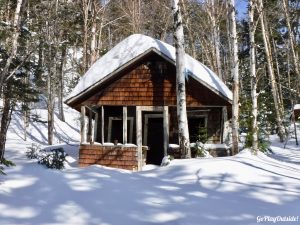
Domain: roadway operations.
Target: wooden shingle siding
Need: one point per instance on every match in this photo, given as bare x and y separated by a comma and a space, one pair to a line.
111, 156
146, 84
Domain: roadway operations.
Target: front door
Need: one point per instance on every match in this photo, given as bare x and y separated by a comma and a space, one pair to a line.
155, 139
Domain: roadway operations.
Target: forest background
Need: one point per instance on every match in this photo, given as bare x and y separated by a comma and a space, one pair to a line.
46, 46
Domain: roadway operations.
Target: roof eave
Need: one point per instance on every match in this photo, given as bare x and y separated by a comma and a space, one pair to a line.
73, 99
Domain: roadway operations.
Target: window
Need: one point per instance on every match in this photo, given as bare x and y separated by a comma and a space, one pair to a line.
197, 128
115, 129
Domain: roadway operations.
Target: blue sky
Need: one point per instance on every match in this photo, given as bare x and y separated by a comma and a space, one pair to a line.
241, 6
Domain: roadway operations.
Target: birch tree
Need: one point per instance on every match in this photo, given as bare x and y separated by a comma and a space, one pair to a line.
85, 6
183, 132
252, 28
292, 42
235, 75
213, 15
266, 40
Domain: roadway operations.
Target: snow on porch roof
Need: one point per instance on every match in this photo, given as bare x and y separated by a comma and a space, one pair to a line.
132, 48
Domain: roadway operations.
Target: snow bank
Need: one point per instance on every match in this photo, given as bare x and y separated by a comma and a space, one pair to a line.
235, 190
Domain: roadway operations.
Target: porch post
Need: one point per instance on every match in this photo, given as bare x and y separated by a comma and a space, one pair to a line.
83, 126
166, 129
124, 124
102, 124
90, 127
96, 126
139, 136
224, 124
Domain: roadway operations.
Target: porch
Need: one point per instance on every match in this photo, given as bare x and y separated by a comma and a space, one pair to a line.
129, 137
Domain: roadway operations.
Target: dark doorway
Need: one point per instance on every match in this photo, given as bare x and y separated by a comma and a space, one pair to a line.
155, 141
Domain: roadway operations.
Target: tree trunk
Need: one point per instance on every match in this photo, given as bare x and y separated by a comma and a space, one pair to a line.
85, 9
26, 112
254, 94
60, 92
189, 31
235, 75
5, 120
278, 108
93, 48
279, 88
228, 35
50, 108
292, 42
183, 132
14, 45
52, 72
216, 39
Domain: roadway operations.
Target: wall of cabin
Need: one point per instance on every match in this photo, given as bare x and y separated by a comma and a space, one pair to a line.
151, 82
111, 156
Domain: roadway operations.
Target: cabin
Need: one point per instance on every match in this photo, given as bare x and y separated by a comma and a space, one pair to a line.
127, 101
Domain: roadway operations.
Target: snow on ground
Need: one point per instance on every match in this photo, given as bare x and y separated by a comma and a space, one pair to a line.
287, 151
242, 189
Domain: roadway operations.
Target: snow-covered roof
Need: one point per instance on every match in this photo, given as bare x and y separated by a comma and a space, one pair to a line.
132, 48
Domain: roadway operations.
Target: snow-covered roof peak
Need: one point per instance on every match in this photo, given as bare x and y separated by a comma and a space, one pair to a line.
132, 48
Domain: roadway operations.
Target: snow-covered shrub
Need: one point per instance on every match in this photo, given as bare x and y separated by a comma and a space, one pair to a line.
33, 151
5, 162
199, 149
166, 160
54, 159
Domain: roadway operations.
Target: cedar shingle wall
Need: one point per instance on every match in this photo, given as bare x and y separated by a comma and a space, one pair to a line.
111, 156
152, 85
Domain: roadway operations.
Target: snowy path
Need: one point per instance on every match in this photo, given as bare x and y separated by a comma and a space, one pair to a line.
291, 152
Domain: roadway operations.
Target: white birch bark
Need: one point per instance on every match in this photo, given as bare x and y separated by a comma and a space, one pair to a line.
266, 39
292, 42
254, 95
216, 38
235, 75
85, 4
183, 132
93, 47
